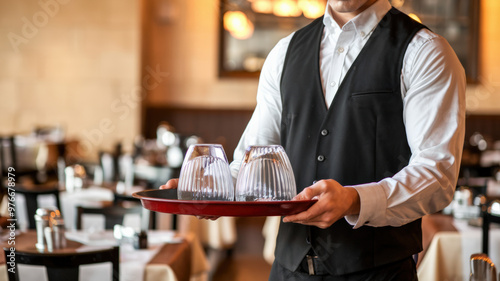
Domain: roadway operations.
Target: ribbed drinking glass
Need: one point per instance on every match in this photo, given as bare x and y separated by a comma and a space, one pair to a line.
205, 174
265, 175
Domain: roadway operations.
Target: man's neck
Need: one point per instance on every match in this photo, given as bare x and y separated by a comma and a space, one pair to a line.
343, 17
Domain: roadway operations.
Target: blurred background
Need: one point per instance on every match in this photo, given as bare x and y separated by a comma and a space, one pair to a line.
105, 72
127, 85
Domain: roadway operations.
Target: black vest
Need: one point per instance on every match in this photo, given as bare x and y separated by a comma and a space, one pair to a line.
361, 138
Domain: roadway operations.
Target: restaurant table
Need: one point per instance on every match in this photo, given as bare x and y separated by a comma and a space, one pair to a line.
451, 243
168, 257
93, 196
447, 246
218, 234
270, 232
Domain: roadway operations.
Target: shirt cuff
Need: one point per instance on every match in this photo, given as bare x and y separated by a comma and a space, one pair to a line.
373, 202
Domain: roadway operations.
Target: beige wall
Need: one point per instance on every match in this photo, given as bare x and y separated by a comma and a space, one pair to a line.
73, 63
485, 97
192, 61
190, 38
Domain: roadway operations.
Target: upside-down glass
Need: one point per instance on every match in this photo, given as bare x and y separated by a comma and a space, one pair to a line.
205, 174
265, 175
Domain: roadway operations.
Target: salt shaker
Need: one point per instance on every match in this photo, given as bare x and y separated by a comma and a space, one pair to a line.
42, 220
47, 219
49, 238
141, 240
59, 239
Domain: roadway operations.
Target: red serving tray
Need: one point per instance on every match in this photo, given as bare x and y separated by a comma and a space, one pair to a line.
165, 201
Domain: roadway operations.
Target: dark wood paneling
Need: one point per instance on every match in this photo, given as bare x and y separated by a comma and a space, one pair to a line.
487, 125
223, 126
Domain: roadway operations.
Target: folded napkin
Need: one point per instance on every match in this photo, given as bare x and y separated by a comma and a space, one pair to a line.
163, 236
97, 238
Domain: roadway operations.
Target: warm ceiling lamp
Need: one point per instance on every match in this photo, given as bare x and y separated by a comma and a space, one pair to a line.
312, 8
238, 25
262, 6
286, 8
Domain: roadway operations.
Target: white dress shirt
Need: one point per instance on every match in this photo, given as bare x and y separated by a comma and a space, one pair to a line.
433, 93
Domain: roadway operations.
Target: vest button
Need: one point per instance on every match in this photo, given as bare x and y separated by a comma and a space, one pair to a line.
321, 158
324, 132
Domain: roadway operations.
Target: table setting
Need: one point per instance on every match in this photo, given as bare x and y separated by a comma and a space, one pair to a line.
451, 237
167, 255
89, 196
451, 242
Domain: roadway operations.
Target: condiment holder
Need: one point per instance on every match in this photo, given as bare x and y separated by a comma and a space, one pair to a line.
49, 229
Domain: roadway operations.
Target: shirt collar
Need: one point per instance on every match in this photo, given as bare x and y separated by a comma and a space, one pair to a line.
364, 23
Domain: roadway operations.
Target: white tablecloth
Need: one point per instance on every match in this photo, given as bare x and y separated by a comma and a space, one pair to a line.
218, 234
270, 232
133, 263
92, 196
448, 255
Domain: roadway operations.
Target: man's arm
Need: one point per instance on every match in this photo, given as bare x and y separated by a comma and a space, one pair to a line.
434, 115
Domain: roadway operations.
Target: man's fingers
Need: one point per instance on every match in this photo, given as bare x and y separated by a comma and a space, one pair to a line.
171, 184
307, 215
310, 192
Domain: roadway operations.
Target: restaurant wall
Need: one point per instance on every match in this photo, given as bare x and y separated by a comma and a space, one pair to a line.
188, 34
484, 98
71, 63
182, 39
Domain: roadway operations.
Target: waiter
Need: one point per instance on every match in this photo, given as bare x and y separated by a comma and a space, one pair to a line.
370, 108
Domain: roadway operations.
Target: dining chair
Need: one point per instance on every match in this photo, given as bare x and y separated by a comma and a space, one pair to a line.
110, 163
146, 214
490, 214
26, 179
65, 266
114, 214
8, 158
31, 197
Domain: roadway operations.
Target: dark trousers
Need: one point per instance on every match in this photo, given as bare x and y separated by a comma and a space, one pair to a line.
404, 270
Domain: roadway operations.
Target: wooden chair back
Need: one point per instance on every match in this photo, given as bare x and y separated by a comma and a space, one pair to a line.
114, 214
65, 266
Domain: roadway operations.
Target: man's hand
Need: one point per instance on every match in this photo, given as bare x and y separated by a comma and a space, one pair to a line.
172, 184
334, 202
